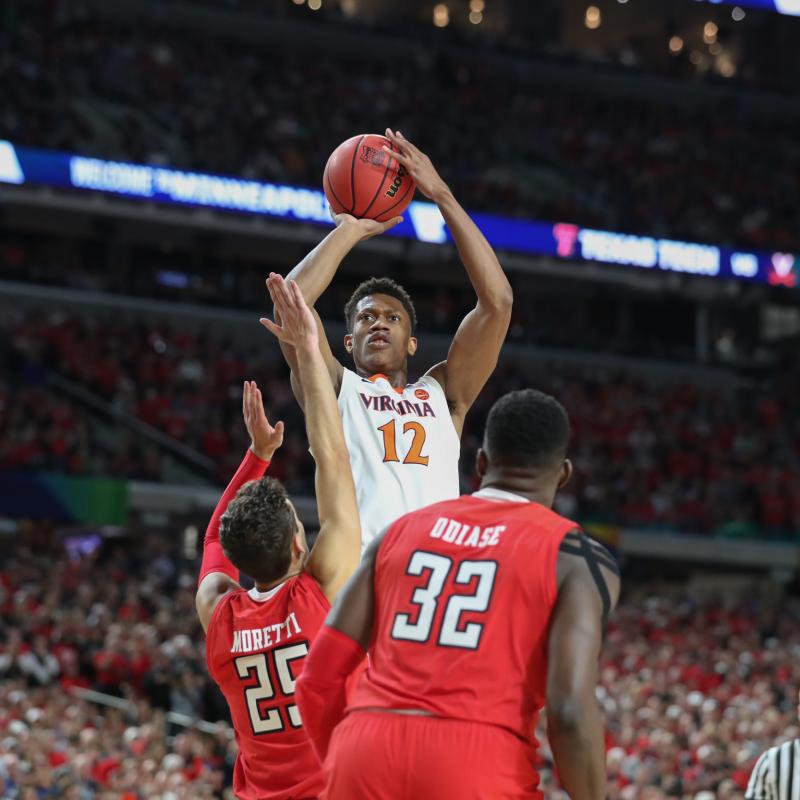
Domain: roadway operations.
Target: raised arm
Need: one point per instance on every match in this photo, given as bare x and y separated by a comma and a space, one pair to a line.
314, 274
588, 591
476, 346
218, 576
338, 547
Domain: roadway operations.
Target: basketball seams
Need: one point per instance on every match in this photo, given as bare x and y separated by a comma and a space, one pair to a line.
397, 202
380, 186
353, 175
326, 177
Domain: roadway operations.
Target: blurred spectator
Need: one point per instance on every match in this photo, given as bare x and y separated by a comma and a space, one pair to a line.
75, 81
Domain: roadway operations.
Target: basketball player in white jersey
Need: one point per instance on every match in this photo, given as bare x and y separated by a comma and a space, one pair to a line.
404, 439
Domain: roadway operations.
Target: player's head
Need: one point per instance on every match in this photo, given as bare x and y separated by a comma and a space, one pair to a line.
380, 318
261, 533
525, 443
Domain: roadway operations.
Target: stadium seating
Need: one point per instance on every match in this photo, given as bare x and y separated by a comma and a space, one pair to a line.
693, 687
647, 454
122, 90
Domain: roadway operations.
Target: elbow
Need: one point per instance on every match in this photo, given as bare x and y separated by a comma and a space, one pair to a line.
566, 714
500, 301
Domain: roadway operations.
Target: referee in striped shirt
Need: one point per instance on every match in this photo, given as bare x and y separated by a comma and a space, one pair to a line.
776, 775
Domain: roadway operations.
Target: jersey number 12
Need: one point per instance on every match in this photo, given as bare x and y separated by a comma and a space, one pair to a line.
414, 454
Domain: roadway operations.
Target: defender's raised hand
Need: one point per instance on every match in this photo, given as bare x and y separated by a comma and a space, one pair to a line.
419, 166
297, 327
265, 439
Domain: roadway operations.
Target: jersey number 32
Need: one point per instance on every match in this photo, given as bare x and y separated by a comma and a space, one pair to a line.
452, 633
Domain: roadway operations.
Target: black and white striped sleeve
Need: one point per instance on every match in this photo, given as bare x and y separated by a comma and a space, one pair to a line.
776, 775
762, 778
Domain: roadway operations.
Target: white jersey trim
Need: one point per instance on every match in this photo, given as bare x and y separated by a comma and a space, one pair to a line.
262, 597
499, 495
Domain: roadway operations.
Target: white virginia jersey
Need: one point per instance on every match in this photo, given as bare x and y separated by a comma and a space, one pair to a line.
403, 447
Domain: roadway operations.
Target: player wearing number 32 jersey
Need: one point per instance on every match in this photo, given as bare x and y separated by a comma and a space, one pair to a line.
477, 613
404, 440
257, 641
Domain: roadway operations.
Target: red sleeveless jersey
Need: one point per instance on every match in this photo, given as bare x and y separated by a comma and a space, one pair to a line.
464, 591
255, 647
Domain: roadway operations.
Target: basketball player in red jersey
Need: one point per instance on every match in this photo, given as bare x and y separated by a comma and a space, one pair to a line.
256, 641
404, 439
477, 612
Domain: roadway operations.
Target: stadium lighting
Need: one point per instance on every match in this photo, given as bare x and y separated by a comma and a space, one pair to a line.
710, 31
738, 14
315, 5
475, 17
441, 15
675, 44
298, 2
593, 19
726, 66
715, 49
622, 1
477, 6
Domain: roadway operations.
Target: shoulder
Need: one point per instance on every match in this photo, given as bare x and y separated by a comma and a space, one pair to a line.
762, 775
584, 560
224, 611
307, 586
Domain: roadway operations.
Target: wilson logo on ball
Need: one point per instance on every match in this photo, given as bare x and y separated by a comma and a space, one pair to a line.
371, 155
397, 182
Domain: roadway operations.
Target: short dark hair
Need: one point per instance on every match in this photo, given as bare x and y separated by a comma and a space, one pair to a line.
256, 530
379, 286
527, 428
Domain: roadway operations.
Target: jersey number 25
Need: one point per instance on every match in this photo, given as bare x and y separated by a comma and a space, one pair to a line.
268, 719
451, 632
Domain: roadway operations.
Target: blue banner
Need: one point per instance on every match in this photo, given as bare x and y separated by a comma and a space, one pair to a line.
423, 222
790, 7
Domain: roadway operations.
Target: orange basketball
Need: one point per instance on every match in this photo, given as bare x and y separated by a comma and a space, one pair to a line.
362, 179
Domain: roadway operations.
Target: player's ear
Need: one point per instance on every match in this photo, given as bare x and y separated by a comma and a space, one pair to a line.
299, 547
481, 462
412, 345
566, 473
348, 342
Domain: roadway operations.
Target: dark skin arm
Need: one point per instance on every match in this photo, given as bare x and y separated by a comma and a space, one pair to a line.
476, 345
314, 274
587, 593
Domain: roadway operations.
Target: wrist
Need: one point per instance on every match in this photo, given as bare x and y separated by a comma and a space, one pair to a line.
442, 195
262, 453
350, 231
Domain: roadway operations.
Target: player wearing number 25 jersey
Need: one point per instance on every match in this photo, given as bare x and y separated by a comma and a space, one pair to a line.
477, 612
257, 641
404, 439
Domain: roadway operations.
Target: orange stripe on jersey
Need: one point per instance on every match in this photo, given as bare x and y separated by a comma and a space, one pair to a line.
377, 375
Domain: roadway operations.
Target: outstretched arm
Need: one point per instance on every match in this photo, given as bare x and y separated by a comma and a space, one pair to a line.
218, 576
314, 274
588, 591
476, 346
338, 547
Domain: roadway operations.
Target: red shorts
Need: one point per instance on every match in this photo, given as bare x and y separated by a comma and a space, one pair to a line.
387, 756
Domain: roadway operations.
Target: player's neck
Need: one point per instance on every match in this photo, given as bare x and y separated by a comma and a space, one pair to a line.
265, 587
535, 488
398, 378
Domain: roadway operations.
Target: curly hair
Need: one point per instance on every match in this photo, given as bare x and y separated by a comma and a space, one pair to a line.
379, 286
527, 429
256, 530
